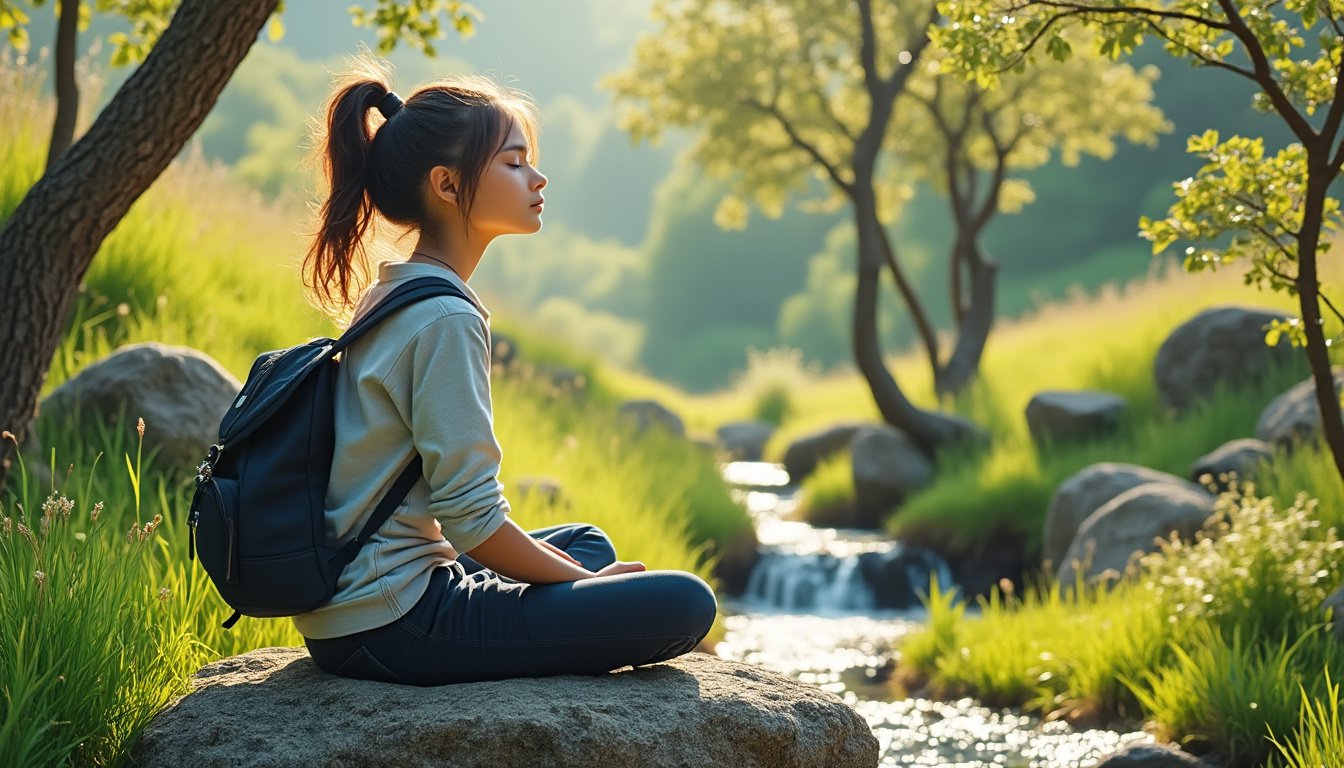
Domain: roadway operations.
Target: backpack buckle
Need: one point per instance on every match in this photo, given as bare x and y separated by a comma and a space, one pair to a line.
205, 471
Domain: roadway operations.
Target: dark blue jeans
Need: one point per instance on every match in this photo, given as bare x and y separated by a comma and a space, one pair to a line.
473, 624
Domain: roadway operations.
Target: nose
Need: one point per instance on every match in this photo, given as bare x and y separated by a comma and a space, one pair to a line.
539, 181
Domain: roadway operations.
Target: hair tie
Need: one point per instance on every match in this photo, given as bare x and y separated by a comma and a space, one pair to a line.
389, 105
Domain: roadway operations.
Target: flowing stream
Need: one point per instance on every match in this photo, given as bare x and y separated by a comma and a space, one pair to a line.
829, 607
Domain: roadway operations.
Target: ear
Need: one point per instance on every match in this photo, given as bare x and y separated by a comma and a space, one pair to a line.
443, 184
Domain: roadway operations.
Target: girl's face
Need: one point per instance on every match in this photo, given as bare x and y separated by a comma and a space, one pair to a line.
508, 196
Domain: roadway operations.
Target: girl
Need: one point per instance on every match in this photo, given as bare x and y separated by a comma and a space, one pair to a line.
450, 589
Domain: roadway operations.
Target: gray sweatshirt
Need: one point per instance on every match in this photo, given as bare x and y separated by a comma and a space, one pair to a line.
419, 381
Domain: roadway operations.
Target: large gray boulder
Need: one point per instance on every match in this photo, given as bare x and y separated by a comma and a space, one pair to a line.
648, 413
745, 440
180, 393
1294, 416
1222, 345
804, 454
274, 707
1235, 458
887, 467
1086, 492
1058, 416
1131, 523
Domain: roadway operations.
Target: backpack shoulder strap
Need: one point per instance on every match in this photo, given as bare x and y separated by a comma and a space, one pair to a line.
403, 295
402, 486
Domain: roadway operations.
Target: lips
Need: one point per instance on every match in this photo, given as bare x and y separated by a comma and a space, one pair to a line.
539, 202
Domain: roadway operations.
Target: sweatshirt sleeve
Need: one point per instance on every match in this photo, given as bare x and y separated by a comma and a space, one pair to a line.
445, 380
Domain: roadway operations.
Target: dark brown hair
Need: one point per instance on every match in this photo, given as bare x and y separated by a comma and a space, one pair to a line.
379, 166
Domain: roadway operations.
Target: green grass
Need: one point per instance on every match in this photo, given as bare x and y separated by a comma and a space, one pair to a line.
1318, 741
1218, 644
826, 497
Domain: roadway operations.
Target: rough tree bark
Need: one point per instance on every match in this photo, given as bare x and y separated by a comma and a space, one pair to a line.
50, 240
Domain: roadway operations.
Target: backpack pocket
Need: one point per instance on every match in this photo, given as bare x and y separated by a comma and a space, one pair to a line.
217, 530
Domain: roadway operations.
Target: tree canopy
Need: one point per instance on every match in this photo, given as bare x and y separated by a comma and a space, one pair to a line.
1273, 210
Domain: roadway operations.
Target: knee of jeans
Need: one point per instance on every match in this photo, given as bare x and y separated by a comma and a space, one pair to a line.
698, 603
588, 530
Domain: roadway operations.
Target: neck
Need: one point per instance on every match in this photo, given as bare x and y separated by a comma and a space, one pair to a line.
454, 247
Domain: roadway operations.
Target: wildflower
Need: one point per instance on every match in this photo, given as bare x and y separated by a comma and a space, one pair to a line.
27, 533
7, 526
123, 309
7, 435
140, 428
150, 526
165, 594
40, 576
97, 510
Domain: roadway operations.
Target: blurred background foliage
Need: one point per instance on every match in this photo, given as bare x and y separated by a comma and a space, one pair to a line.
630, 265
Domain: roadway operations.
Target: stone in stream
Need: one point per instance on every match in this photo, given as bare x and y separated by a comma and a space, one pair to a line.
887, 468
745, 440
1151, 756
274, 707
804, 454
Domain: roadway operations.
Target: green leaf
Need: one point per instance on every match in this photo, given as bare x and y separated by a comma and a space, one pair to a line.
1058, 48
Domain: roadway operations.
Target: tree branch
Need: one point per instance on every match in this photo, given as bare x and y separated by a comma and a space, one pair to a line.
798, 141
896, 83
1264, 76
1112, 10
991, 203
868, 46
1162, 33
820, 93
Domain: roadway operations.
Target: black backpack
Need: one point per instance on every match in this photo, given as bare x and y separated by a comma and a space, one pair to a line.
257, 517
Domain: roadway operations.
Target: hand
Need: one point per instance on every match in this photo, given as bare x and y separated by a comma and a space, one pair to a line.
558, 551
619, 567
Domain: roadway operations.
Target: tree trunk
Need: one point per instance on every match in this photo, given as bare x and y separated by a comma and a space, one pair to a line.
927, 335
67, 89
926, 429
1308, 290
49, 241
973, 330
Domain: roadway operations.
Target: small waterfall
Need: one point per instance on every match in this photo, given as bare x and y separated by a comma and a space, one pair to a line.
824, 570
821, 582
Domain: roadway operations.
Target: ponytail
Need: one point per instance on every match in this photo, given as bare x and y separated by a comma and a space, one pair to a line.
458, 122
335, 268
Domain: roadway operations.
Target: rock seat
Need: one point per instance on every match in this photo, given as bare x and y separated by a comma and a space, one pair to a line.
274, 707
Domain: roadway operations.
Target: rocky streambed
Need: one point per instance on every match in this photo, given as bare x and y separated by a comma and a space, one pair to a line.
829, 607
